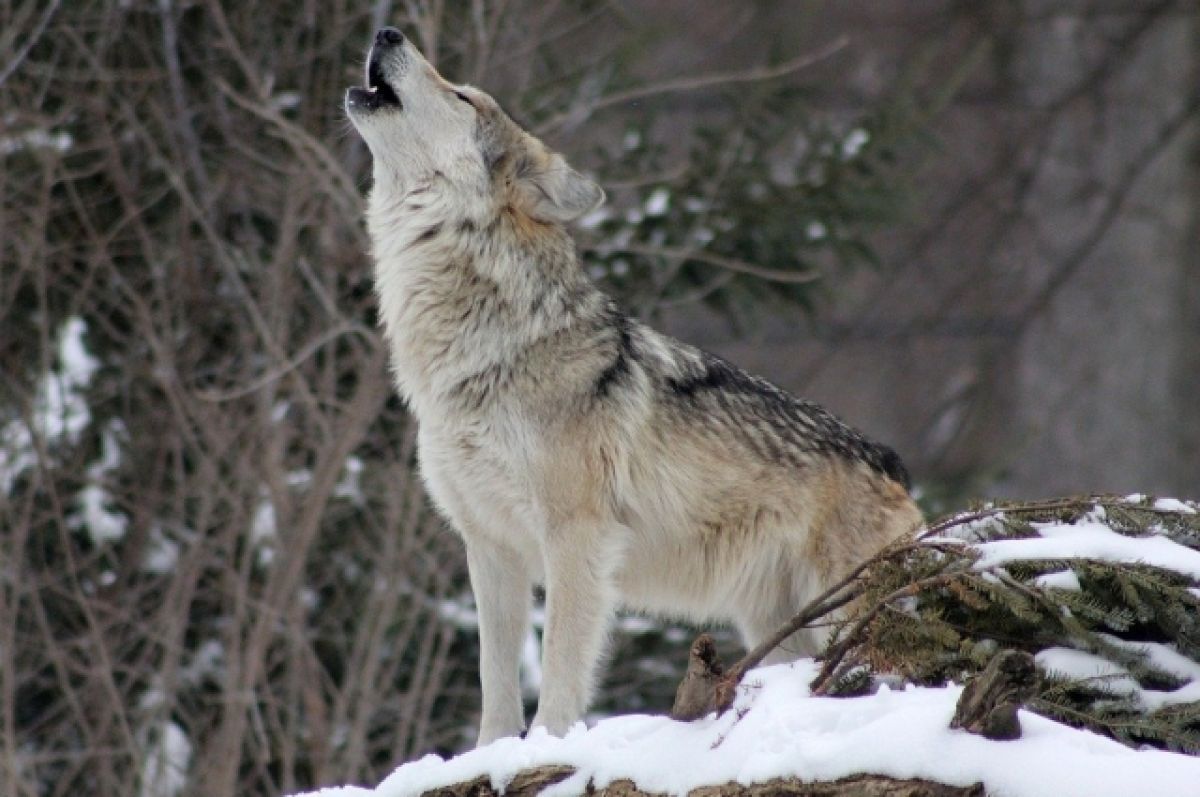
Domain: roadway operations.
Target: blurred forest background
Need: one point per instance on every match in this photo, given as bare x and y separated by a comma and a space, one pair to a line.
970, 228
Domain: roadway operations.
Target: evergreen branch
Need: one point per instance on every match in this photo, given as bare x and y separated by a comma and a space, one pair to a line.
835, 655
952, 621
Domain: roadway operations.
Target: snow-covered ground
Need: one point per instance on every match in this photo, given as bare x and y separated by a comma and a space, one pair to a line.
776, 729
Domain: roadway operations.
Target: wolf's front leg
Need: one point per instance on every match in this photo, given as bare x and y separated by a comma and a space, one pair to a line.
580, 563
502, 587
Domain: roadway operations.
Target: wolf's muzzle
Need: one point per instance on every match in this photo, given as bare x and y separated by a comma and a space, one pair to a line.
378, 92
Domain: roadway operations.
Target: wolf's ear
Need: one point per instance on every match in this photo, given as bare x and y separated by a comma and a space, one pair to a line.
554, 192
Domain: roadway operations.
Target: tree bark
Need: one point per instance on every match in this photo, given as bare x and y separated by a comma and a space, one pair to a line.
531, 782
988, 705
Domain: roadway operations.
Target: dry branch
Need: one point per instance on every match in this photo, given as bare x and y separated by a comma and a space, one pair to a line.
696, 83
708, 686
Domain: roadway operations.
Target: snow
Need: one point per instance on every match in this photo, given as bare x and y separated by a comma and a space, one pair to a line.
1161, 656
17, 454
60, 408
1112, 677
776, 729
94, 504
1169, 660
595, 218
460, 612
1175, 505
95, 516
263, 534
286, 100
1063, 579
300, 478
1077, 664
280, 411
1090, 540
61, 413
350, 485
164, 772
37, 139
207, 662
1153, 699
637, 624
658, 202
162, 553
531, 664
969, 530
854, 142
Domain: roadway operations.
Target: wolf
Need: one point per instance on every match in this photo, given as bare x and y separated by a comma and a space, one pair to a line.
570, 445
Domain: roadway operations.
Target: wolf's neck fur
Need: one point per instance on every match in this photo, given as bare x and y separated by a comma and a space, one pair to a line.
464, 291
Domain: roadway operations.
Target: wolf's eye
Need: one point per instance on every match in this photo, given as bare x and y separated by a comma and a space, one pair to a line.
464, 98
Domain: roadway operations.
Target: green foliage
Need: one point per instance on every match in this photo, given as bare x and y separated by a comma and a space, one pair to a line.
1129, 618
769, 205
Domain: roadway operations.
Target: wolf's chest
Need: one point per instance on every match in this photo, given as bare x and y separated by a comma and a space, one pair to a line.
481, 475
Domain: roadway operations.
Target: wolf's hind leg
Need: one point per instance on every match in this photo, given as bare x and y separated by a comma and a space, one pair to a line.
758, 626
503, 591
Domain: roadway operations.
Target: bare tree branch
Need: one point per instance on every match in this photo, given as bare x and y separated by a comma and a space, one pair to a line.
576, 116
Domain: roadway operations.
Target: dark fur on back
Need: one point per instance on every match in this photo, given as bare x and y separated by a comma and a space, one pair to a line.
779, 427
781, 424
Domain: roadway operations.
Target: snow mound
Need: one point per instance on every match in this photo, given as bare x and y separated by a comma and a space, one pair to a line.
776, 729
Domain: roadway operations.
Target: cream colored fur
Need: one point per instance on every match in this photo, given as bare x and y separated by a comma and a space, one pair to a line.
571, 446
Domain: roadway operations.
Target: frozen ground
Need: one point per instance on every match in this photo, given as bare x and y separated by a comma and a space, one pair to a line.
776, 729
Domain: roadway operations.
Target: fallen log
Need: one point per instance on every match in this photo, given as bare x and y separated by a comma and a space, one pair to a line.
531, 782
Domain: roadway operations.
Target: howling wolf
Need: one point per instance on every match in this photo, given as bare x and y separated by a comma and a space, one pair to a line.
570, 445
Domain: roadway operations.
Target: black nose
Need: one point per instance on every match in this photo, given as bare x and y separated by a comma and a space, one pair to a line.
388, 36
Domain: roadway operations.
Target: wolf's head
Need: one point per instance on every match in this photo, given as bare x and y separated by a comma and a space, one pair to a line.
419, 126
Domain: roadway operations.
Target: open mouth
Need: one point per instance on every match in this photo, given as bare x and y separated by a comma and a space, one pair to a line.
378, 93
378, 86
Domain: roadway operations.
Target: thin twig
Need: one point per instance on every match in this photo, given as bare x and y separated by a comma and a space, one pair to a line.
579, 114
728, 263
34, 35
835, 597
834, 657
340, 184
284, 368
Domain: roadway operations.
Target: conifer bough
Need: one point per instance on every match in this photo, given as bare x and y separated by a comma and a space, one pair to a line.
1103, 592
